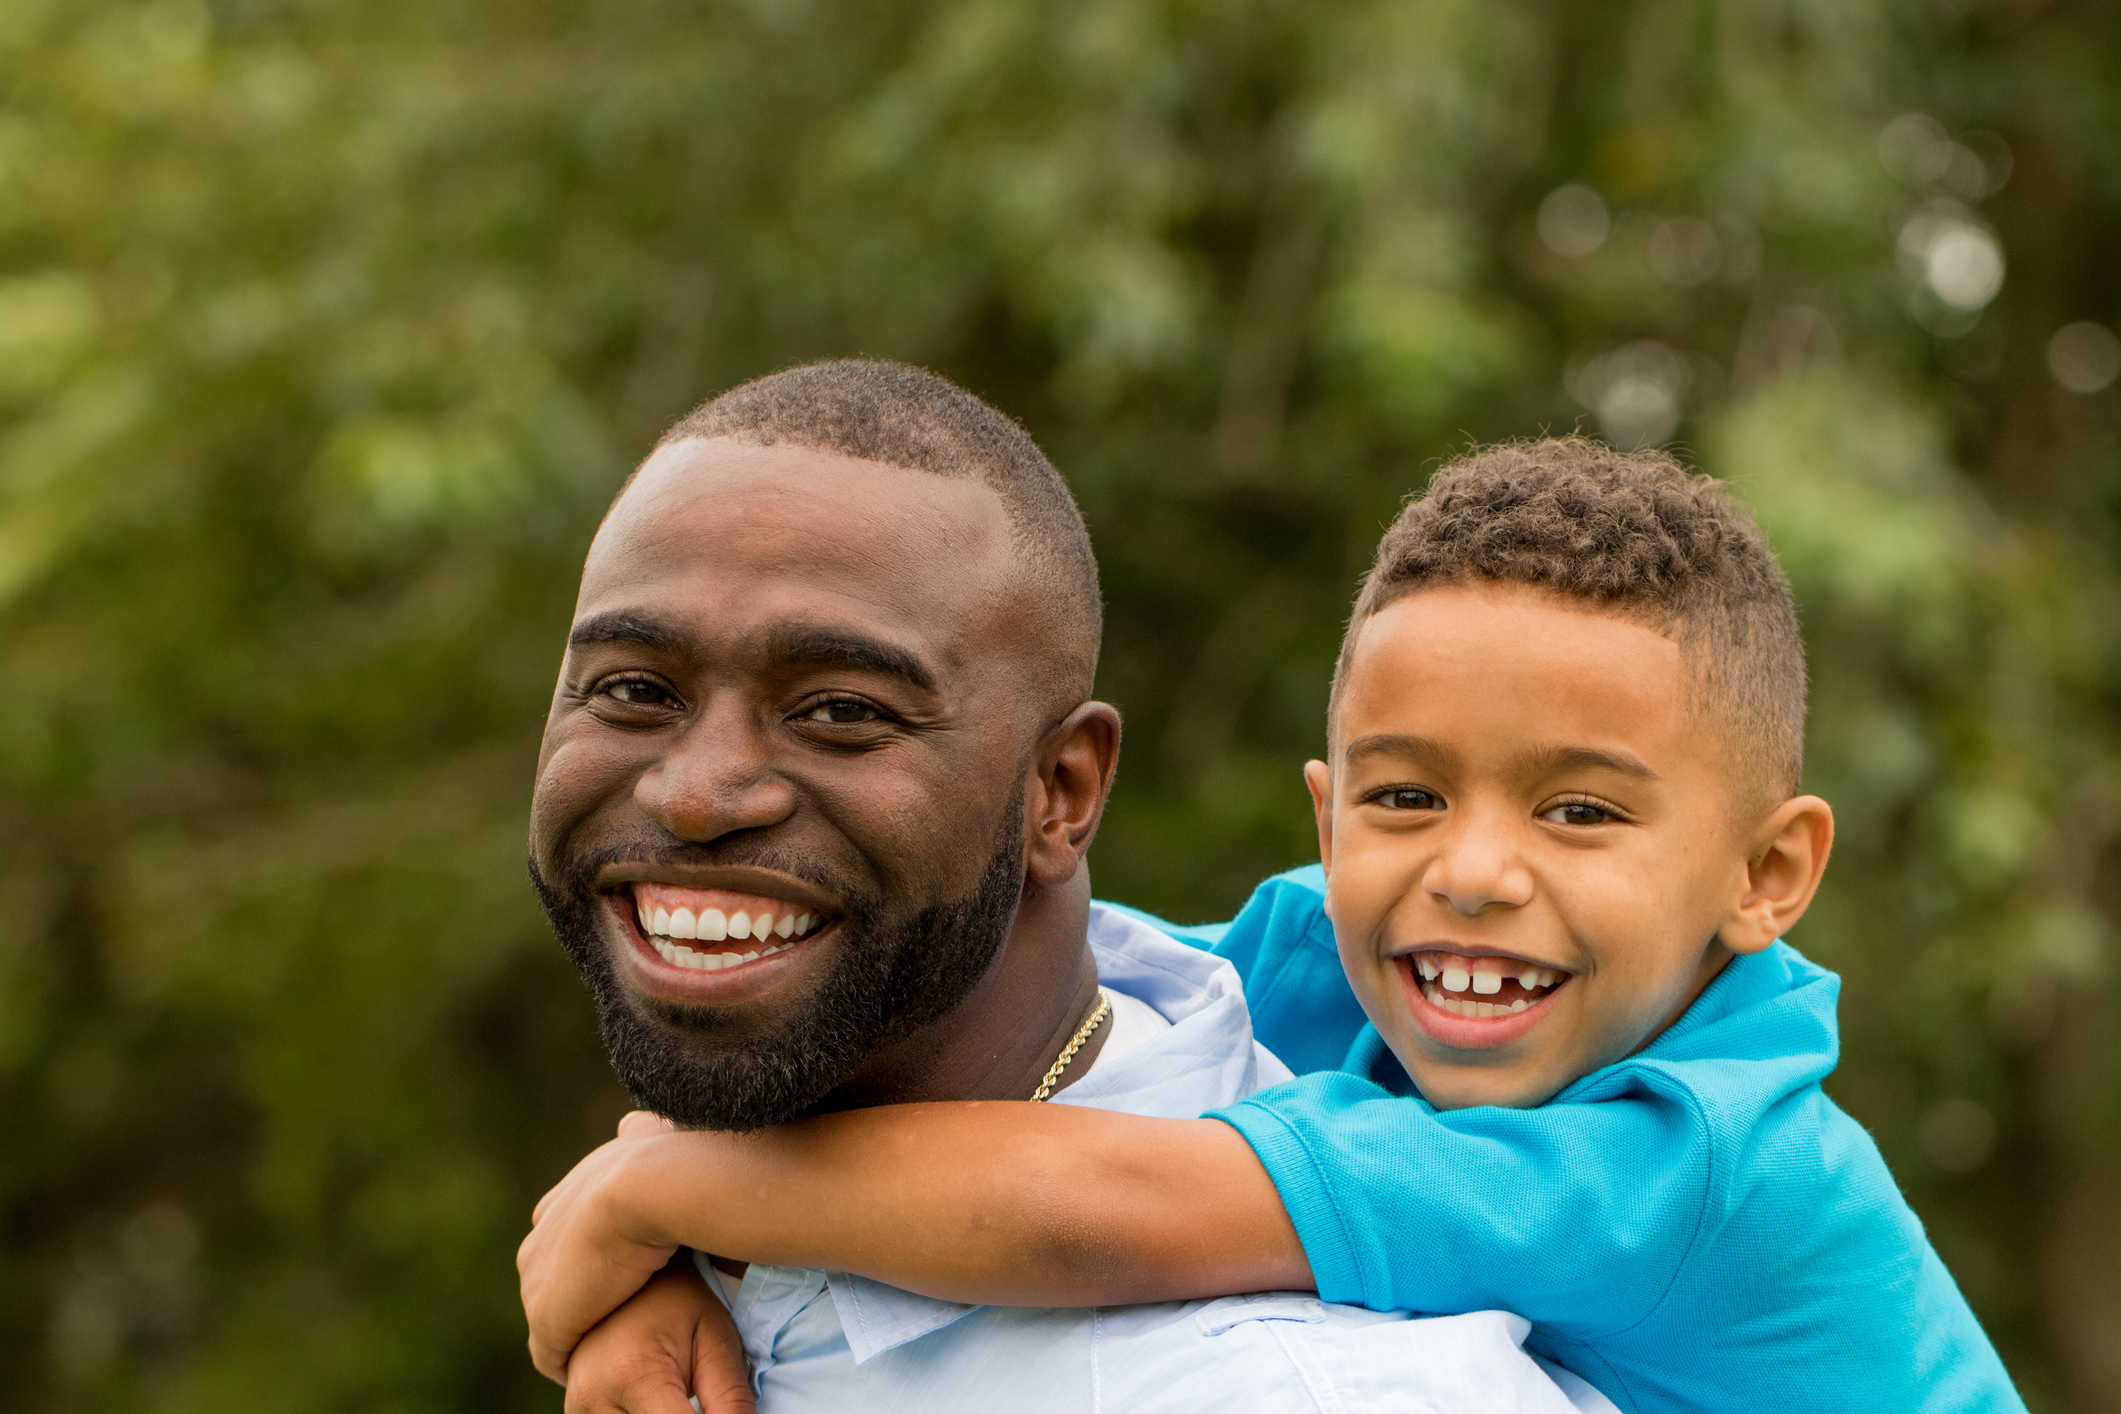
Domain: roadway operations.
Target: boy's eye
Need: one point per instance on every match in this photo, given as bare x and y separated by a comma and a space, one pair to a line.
842, 712
1578, 812
1409, 798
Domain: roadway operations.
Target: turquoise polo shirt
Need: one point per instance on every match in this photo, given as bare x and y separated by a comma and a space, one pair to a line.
1696, 1227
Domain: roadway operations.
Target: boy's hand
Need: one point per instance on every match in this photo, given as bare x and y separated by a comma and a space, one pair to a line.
588, 1251
672, 1341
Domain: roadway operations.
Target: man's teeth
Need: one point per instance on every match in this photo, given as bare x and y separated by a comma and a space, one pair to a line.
713, 925
681, 956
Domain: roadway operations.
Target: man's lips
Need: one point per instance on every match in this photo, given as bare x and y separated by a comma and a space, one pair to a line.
729, 936
1477, 1000
709, 929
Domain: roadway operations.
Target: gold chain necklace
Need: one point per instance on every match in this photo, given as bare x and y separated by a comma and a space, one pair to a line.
1075, 1043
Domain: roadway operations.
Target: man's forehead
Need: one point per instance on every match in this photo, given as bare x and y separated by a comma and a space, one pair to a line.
732, 478
724, 534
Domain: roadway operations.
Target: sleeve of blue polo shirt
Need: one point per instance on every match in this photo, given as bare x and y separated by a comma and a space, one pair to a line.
1400, 1207
1282, 945
1576, 1216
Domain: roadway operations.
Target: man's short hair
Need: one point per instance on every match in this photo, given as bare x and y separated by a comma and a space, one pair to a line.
894, 413
1630, 534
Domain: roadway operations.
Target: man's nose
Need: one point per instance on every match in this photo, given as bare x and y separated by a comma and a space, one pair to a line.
717, 778
1478, 867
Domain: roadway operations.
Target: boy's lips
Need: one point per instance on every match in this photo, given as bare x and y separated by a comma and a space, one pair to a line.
1472, 1001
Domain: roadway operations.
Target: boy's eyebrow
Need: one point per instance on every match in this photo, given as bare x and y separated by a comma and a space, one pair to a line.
1542, 761
1549, 759
1404, 745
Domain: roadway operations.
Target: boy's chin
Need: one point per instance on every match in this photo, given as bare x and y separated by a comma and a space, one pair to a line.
1516, 1077
1463, 1087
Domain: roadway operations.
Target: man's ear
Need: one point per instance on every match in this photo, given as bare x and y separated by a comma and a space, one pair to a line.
1064, 798
1785, 859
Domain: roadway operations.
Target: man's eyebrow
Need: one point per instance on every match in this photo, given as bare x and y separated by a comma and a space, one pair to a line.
627, 626
811, 647
793, 646
1401, 745
1548, 760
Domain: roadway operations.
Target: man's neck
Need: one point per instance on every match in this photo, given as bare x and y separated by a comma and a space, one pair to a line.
999, 1042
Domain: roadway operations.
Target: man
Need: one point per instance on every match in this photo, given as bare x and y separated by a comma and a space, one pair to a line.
812, 809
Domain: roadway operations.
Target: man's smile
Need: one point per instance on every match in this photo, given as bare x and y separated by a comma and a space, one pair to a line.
713, 937
749, 926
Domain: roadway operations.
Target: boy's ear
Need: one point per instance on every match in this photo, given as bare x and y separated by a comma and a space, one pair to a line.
1319, 780
1785, 859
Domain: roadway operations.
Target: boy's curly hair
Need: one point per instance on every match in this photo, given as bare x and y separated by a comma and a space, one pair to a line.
1631, 534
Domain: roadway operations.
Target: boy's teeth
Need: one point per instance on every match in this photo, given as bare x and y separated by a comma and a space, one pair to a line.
1466, 1006
1484, 975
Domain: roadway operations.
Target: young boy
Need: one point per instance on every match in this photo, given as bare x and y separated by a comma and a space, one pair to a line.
1560, 839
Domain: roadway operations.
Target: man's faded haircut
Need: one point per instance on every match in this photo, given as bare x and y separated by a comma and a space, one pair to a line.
1631, 534
904, 416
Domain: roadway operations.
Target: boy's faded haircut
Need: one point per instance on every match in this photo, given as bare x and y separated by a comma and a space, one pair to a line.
1630, 534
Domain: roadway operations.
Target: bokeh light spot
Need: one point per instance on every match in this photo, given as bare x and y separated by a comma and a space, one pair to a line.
2084, 357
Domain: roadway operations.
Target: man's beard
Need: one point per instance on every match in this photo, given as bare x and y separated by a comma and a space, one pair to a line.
890, 979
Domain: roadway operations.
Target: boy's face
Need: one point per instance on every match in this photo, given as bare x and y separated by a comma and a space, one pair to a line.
1529, 837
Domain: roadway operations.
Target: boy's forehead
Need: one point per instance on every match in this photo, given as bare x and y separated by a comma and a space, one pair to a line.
1489, 665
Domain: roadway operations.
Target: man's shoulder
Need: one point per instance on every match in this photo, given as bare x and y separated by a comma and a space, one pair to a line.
1281, 945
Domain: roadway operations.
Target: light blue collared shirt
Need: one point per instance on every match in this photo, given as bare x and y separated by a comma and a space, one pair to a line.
831, 1341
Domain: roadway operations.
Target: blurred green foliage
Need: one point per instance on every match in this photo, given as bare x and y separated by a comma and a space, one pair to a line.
326, 330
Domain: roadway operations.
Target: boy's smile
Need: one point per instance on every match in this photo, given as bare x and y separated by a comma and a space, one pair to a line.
1532, 838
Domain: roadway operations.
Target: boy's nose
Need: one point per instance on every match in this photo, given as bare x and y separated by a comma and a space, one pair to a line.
1477, 869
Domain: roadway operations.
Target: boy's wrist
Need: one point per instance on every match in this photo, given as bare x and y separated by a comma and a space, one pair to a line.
667, 1188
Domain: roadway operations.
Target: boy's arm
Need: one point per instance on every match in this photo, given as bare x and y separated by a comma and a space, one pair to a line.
999, 1203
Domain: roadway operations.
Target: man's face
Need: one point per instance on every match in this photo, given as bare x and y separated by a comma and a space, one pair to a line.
1529, 838
778, 810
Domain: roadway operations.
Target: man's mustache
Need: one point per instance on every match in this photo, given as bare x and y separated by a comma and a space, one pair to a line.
652, 851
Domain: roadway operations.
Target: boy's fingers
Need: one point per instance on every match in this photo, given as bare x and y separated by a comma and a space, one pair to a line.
639, 1124
549, 1365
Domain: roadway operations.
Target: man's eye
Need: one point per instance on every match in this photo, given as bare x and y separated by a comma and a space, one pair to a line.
636, 693
1578, 812
842, 713
1409, 798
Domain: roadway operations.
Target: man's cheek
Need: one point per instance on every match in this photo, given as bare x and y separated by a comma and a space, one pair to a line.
572, 784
